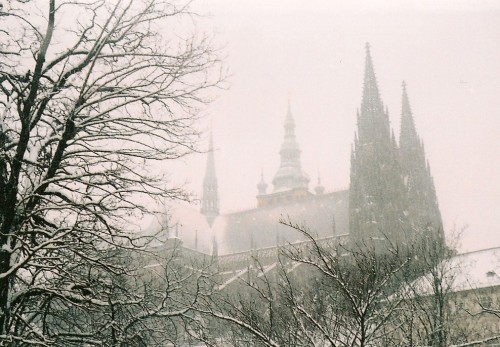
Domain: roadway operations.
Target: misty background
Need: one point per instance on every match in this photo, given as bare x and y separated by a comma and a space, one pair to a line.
448, 52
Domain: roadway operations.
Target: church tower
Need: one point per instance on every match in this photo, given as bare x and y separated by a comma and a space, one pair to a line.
376, 193
423, 210
210, 199
290, 175
290, 182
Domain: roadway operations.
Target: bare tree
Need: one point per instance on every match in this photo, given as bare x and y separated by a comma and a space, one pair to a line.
92, 95
434, 309
425, 291
322, 293
438, 310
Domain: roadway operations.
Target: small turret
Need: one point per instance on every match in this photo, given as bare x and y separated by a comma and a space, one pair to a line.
262, 185
319, 189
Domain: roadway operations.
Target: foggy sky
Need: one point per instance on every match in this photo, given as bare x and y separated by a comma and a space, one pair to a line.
448, 52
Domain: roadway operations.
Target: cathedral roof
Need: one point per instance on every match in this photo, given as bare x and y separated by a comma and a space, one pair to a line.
378, 202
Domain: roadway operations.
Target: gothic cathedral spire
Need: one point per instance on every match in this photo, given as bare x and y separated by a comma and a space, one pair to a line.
409, 141
210, 199
376, 206
423, 210
373, 123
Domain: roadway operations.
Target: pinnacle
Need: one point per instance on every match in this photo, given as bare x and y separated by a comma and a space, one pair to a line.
289, 117
406, 102
210, 198
210, 168
211, 142
408, 133
373, 120
371, 97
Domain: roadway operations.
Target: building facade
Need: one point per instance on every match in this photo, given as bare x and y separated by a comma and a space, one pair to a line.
391, 194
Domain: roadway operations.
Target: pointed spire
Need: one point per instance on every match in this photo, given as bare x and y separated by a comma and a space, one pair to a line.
376, 184
210, 171
372, 119
289, 123
422, 201
408, 138
371, 101
289, 109
210, 199
319, 189
290, 175
262, 185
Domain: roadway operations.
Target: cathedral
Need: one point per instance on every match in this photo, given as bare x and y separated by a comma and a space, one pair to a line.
391, 194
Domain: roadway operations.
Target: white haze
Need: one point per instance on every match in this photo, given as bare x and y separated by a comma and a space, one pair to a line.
448, 52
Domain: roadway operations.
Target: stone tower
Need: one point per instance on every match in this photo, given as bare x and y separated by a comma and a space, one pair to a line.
290, 182
290, 175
